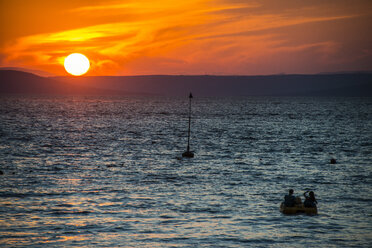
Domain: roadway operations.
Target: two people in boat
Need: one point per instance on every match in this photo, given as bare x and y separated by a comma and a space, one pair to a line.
291, 201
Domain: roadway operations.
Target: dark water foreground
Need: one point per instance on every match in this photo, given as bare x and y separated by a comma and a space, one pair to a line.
106, 172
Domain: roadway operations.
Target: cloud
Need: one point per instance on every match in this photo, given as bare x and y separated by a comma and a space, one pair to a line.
195, 36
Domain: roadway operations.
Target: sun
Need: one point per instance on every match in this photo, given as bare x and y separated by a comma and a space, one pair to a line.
76, 64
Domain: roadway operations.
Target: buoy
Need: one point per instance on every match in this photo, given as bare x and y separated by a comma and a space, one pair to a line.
333, 161
188, 153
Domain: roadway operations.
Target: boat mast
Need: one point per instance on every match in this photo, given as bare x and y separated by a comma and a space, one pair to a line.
188, 137
188, 153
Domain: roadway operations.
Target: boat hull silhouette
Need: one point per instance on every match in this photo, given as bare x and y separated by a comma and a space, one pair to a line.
298, 209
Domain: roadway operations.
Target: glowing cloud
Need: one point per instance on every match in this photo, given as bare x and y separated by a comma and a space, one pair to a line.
193, 37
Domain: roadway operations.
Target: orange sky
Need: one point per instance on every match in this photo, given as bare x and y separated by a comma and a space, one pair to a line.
188, 37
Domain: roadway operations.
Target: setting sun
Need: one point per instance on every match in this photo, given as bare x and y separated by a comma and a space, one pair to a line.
76, 64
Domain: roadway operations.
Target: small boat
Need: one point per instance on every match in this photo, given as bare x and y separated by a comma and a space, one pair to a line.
297, 209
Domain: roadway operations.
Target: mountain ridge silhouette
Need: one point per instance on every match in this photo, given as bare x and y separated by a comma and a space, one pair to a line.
348, 84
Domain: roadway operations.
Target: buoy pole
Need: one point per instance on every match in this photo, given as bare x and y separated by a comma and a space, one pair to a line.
188, 137
188, 153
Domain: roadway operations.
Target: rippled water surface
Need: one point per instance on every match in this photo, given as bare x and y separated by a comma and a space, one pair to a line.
108, 172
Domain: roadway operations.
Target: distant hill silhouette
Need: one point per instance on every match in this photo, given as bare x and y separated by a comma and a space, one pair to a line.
349, 84
358, 84
24, 83
36, 72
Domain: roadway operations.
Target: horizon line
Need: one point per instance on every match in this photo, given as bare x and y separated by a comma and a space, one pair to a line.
34, 72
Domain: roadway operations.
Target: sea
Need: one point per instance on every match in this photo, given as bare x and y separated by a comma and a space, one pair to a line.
108, 171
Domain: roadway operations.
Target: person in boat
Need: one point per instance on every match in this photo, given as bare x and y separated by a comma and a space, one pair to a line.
290, 199
310, 201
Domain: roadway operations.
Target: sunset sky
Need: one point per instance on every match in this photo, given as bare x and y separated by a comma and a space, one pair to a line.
220, 37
